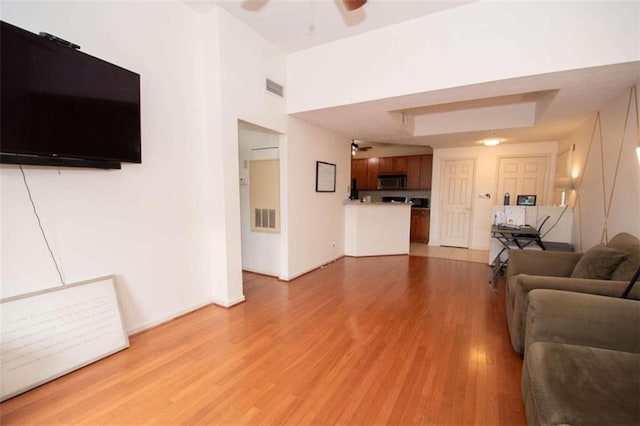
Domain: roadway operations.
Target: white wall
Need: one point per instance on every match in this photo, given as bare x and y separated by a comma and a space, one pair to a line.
605, 148
150, 223
170, 227
246, 60
475, 43
315, 220
260, 250
486, 181
310, 221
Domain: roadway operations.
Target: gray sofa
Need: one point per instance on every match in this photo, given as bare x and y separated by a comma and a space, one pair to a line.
613, 265
582, 360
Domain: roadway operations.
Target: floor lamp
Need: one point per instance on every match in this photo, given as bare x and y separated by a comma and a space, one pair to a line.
631, 283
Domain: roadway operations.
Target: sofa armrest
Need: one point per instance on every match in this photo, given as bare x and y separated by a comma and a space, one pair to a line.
579, 285
583, 319
519, 286
547, 263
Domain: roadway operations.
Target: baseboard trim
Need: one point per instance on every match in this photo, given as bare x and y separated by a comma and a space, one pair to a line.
355, 256
230, 303
255, 271
153, 324
311, 269
212, 301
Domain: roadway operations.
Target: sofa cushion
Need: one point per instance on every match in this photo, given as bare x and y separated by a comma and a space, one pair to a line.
630, 245
580, 385
599, 262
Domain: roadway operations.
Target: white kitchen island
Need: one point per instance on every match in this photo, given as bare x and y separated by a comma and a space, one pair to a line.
377, 229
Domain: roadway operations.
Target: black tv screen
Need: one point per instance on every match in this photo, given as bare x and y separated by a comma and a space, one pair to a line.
59, 103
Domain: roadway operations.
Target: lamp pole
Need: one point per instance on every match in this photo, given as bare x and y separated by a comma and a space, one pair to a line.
631, 283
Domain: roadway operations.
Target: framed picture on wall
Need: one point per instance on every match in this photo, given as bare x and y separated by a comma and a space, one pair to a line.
325, 177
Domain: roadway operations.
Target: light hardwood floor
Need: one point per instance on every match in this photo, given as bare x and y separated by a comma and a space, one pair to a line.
379, 340
453, 253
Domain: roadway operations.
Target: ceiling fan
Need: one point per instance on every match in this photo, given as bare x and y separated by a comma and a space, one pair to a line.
355, 147
254, 5
353, 4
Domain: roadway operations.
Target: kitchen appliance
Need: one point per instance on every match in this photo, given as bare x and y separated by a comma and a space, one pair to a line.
392, 181
394, 199
354, 189
420, 202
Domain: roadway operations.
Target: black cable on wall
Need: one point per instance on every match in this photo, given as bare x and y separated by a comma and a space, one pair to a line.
35, 212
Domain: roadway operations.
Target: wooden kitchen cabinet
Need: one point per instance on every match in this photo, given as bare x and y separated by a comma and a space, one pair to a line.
426, 170
393, 165
420, 219
413, 172
418, 169
400, 164
359, 172
372, 172
385, 165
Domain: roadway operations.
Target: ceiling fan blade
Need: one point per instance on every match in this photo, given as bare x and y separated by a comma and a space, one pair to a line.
353, 4
253, 5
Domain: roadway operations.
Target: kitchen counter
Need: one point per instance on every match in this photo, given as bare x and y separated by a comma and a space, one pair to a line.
377, 229
374, 203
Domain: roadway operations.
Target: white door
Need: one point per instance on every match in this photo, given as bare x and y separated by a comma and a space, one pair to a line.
522, 176
457, 196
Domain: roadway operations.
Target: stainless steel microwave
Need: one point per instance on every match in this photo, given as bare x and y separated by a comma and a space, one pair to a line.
392, 181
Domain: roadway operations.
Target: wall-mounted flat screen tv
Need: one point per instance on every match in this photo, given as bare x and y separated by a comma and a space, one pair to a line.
60, 106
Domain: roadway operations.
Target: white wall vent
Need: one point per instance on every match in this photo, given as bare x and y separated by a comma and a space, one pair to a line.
265, 218
275, 88
264, 195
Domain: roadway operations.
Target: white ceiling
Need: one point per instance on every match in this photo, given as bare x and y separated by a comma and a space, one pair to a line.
535, 108
538, 108
300, 24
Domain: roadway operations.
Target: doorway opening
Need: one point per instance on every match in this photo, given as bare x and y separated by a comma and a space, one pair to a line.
260, 205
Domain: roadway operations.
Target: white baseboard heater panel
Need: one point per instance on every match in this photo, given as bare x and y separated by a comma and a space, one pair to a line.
49, 333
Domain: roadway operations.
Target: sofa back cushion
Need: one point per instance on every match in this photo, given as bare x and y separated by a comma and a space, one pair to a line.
598, 263
630, 245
